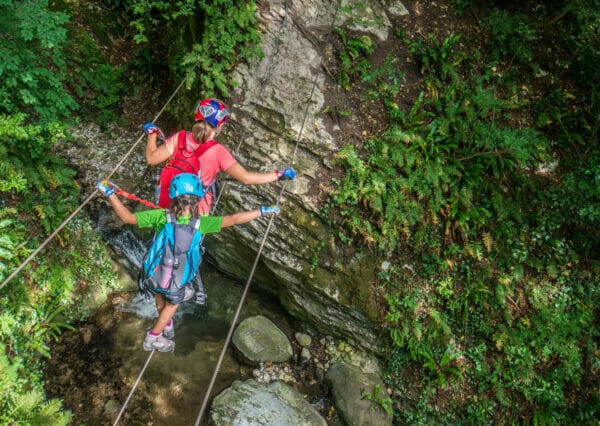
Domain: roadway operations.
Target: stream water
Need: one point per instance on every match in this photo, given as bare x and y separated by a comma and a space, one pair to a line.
94, 367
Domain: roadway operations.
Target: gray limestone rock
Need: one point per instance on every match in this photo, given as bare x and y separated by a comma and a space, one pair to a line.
348, 385
253, 403
258, 339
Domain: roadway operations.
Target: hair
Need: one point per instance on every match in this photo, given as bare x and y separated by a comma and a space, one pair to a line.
201, 130
177, 207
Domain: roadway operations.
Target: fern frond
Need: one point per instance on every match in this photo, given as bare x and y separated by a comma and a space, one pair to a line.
488, 241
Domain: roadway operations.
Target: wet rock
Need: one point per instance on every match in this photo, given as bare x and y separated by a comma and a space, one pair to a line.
305, 354
258, 339
253, 403
303, 339
348, 385
111, 406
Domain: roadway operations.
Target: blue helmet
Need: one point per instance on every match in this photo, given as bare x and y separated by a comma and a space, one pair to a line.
186, 184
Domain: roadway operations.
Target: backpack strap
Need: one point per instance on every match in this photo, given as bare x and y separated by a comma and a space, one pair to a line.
177, 157
171, 218
181, 137
205, 147
195, 222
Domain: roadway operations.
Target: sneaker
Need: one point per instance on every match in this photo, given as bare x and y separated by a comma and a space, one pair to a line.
160, 343
169, 330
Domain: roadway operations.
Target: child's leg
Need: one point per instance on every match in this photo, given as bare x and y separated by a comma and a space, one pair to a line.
166, 313
159, 301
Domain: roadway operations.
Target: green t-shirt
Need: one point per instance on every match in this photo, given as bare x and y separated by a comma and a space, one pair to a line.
157, 218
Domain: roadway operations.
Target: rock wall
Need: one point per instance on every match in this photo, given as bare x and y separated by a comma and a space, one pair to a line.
276, 115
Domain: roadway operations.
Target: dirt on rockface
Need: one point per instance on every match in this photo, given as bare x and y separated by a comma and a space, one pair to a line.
353, 115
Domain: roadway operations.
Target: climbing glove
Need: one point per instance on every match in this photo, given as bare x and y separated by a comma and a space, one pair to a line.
105, 187
286, 174
152, 129
269, 210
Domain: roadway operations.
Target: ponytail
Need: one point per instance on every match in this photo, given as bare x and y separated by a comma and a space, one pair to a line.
201, 131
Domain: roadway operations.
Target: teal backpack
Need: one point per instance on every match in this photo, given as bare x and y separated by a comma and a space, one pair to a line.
173, 258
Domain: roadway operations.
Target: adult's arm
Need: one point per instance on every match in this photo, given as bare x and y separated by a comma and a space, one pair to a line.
156, 154
238, 172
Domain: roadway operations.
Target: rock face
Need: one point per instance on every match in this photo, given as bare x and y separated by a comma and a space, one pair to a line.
276, 123
277, 119
253, 403
258, 339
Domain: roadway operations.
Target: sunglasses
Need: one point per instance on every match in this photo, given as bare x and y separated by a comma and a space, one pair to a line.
188, 201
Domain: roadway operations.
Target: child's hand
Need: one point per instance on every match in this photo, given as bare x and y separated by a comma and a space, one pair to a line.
269, 210
286, 174
105, 188
152, 129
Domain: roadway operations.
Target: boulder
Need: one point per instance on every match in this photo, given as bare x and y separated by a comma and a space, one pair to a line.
253, 403
258, 340
349, 386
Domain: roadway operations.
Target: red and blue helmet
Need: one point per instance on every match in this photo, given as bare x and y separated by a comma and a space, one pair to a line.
213, 111
186, 184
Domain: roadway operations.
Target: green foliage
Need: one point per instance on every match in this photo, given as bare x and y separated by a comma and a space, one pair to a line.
380, 400
442, 368
208, 38
19, 404
230, 37
491, 251
37, 190
38, 305
95, 83
12, 242
33, 65
440, 60
39, 177
353, 57
512, 37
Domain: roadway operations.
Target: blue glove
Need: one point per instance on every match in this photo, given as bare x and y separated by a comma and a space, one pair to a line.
269, 210
287, 174
152, 129
105, 188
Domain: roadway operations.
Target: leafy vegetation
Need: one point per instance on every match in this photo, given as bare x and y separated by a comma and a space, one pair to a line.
482, 202
208, 38
37, 191
56, 72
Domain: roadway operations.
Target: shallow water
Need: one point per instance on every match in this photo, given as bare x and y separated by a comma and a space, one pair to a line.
94, 378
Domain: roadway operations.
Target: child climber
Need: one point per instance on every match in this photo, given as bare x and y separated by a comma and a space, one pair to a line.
197, 152
173, 259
